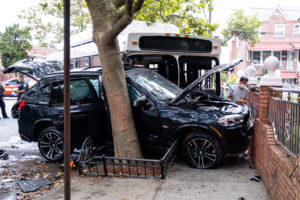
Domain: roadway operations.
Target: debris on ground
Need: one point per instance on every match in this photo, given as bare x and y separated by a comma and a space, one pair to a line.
3, 155
30, 185
255, 178
241, 198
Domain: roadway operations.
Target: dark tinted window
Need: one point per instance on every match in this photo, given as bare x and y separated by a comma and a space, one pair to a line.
80, 92
39, 93
163, 43
57, 98
95, 83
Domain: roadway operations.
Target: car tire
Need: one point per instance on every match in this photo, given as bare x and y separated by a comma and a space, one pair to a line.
51, 144
201, 150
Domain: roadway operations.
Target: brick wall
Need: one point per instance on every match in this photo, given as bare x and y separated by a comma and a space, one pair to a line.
279, 170
280, 173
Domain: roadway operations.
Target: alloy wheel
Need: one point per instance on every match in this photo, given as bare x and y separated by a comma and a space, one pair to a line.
51, 145
202, 152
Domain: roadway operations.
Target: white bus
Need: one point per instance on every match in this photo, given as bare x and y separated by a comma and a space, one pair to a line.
178, 57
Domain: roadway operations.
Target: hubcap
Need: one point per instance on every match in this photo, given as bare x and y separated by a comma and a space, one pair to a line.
51, 145
202, 152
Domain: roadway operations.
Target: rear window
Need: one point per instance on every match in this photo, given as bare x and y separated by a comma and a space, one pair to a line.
80, 93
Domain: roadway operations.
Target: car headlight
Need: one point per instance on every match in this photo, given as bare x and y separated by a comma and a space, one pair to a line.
231, 120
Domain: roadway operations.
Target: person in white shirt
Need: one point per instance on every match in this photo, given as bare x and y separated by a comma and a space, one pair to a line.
239, 93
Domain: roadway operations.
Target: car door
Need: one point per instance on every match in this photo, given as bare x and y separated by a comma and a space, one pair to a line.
146, 118
87, 111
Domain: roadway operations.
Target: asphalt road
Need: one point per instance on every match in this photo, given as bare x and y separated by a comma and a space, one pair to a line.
8, 127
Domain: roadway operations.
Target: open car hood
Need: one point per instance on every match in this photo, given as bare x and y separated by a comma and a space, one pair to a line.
35, 68
219, 68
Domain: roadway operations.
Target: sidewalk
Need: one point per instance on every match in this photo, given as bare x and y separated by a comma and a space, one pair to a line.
229, 182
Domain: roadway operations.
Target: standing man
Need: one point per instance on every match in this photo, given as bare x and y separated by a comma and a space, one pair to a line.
240, 93
2, 104
22, 86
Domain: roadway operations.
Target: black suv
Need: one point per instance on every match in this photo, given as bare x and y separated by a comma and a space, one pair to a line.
209, 126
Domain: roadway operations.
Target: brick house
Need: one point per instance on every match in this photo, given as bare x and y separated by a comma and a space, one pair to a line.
280, 37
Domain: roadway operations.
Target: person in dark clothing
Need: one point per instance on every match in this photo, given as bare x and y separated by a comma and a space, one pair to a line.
2, 104
22, 86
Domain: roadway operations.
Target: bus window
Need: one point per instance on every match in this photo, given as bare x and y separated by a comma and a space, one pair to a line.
95, 61
73, 63
163, 64
83, 62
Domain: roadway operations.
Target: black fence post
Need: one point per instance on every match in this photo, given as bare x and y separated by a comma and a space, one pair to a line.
104, 165
162, 168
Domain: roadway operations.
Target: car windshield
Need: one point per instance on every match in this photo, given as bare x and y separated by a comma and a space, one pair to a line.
159, 87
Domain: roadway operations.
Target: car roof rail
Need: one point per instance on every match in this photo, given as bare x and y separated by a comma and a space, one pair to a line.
91, 67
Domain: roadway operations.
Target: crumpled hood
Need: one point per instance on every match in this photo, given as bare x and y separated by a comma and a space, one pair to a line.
219, 68
35, 68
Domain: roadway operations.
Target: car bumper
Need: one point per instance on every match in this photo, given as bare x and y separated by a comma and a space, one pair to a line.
236, 140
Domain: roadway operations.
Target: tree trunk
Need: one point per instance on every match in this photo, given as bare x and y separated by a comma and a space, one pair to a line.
126, 143
109, 19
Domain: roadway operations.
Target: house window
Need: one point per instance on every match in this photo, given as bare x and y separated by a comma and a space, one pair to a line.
277, 54
256, 57
297, 29
266, 54
279, 30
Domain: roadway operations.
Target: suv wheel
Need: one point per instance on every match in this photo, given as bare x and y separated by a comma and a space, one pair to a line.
51, 144
201, 150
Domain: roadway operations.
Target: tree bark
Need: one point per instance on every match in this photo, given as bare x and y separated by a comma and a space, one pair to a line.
105, 18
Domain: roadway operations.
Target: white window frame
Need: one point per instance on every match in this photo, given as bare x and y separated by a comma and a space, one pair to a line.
295, 28
276, 30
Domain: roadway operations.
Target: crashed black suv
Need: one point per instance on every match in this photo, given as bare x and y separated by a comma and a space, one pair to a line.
209, 127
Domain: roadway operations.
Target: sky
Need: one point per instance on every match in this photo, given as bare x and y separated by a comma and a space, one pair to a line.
223, 8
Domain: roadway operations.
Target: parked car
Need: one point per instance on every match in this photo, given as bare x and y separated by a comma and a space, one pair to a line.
209, 127
11, 86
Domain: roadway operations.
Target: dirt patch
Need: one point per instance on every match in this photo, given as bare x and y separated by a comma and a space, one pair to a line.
33, 169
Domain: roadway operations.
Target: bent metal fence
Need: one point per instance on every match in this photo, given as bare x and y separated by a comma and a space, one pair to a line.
101, 165
284, 114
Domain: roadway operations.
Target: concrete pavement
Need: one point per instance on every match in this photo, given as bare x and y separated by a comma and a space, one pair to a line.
229, 182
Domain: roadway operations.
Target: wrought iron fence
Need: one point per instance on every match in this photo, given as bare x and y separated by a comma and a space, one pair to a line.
101, 165
254, 103
284, 114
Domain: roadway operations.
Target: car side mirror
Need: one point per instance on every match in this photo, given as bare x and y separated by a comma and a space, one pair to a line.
140, 102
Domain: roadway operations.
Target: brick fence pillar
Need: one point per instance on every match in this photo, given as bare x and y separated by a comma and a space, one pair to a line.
264, 104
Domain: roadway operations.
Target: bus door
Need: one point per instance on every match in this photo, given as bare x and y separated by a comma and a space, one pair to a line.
193, 67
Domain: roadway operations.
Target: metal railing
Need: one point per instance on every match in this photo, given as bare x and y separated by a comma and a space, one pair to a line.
101, 165
254, 103
284, 114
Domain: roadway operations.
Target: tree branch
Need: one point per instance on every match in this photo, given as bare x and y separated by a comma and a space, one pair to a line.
121, 24
160, 9
138, 5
